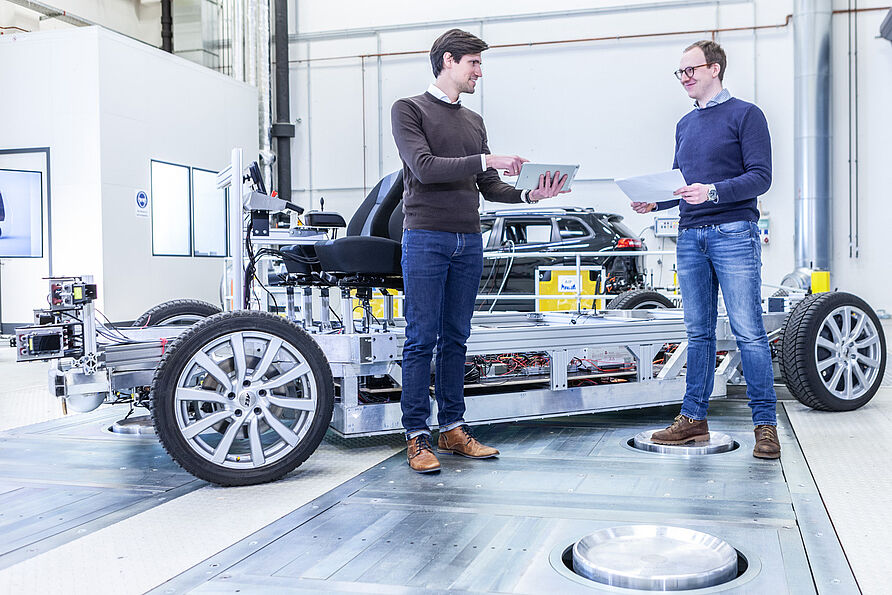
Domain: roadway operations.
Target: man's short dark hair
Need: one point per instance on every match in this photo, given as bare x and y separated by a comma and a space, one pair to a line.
713, 53
456, 42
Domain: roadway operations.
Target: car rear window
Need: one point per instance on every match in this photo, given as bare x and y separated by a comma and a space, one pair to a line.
572, 229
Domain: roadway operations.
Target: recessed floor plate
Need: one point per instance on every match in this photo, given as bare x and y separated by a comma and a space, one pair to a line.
655, 558
718, 442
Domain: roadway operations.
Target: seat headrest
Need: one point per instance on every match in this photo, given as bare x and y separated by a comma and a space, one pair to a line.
372, 218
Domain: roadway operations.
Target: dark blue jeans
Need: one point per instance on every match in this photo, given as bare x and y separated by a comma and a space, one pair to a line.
441, 275
727, 255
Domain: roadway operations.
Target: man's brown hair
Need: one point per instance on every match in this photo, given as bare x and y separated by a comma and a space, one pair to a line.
456, 42
713, 52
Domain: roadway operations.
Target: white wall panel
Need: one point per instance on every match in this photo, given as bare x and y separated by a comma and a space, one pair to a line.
158, 106
52, 101
106, 106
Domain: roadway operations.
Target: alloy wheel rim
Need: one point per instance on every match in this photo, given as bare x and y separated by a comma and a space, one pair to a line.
245, 400
848, 352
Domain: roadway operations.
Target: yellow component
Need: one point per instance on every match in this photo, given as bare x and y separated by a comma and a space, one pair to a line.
78, 293
820, 281
377, 304
563, 281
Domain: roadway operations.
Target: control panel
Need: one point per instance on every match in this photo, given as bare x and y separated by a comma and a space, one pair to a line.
666, 227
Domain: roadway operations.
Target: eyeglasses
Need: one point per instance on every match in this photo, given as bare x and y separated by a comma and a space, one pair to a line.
689, 71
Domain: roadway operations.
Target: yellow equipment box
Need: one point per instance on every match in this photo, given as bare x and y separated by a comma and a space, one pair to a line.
820, 281
377, 304
562, 280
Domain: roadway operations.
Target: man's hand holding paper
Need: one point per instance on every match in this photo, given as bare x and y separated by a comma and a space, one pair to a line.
651, 188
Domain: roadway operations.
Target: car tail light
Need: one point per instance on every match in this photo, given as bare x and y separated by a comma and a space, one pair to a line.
628, 243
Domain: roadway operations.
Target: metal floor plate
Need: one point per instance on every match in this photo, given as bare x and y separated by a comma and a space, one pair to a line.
62, 479
502, 525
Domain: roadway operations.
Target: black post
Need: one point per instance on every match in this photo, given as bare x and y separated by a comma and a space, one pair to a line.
166, 26
282, 130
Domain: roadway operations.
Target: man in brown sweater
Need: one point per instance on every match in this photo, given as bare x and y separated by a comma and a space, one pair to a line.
446, 165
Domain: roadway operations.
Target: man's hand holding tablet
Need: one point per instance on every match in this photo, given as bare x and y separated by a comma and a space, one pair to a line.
545, 181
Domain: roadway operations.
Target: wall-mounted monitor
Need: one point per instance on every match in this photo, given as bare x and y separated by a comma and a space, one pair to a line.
21, 214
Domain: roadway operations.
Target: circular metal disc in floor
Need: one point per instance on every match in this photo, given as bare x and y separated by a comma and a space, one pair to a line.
718, 442
655, 558
140, 425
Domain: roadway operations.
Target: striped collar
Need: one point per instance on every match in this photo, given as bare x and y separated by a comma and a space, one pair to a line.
723, 96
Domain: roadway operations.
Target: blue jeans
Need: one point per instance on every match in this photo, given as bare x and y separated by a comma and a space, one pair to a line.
441, 275
727, 255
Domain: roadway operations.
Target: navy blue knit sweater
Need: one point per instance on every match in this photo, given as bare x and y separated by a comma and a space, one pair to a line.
727, 145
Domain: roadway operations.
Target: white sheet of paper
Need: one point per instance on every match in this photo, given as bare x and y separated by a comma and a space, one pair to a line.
652, 187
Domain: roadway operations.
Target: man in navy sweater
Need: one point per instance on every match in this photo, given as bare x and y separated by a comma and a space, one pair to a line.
723, 149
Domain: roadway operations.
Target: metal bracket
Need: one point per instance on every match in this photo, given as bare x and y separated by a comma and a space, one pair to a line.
560, 359
644, 355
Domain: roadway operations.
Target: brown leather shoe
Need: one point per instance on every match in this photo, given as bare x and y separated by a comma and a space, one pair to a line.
460, 441
420, 453
767, 444
683, 430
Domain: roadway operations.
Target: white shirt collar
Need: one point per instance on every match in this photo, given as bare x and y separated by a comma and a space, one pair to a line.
440, 94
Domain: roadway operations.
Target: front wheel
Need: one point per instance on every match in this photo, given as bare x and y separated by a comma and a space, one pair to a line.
833, 352
242, 398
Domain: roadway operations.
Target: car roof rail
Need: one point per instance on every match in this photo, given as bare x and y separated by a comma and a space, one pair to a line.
522, 212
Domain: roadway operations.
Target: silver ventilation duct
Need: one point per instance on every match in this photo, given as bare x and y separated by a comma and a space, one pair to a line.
811, 153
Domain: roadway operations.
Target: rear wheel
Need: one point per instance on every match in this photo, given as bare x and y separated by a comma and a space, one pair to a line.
242, 398
639, 299
833, 352
177, 313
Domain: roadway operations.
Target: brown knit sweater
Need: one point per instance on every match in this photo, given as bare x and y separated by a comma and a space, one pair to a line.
440, 144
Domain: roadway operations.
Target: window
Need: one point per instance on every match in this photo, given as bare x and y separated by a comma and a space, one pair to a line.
208, 215
170, 210
572, 229
526, 232
21, 213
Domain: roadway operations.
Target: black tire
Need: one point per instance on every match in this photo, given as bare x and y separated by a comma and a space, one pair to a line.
176, 313
809, 361
248, 409
640, 299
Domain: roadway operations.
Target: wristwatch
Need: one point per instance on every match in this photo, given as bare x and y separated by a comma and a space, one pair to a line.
711, 194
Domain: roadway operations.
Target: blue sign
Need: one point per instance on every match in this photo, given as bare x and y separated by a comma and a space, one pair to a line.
142, 199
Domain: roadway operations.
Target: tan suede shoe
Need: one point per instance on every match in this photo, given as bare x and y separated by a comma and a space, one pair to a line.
683, 430
767, 444
460, 441
420, 453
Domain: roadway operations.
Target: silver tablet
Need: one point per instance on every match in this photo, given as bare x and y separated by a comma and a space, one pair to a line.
530, 172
